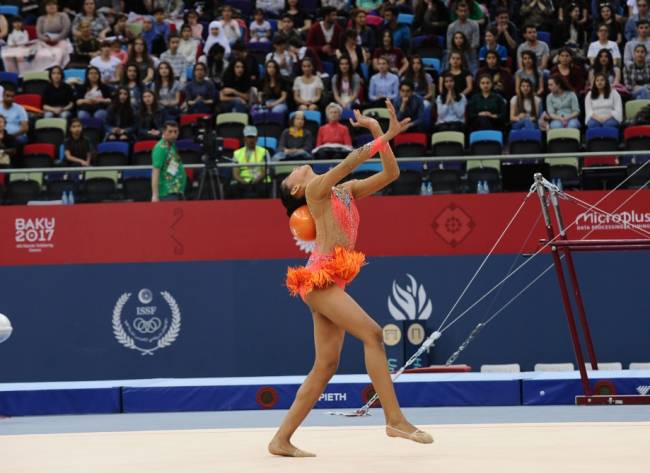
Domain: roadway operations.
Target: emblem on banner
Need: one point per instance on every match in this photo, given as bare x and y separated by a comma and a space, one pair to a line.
392, 335
643, 390
144, 327
410, 302
415, 334
453, 225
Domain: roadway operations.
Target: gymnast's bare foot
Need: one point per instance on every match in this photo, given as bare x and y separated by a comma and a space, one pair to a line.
286, 449
408, 431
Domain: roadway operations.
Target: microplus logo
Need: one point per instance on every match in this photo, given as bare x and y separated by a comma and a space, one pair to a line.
617, 221
34, 234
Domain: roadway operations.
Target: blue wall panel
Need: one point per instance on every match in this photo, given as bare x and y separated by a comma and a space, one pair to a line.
237, 319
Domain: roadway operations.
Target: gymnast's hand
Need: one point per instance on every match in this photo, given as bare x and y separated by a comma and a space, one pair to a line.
362, 121
395, 126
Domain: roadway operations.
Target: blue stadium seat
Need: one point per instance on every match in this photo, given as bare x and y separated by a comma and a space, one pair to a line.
266, 116
329, 68
361, 140
544, 36
611, 135
310, 115
74, 75
269, 123
418, 41
260, 47
525, 135
486, 135
136, 185
601, 139
366, 170
369, 167
189, 151
268, 142
365, 70
8, 78
9, 10
405, 19
112, 153
136, 173
432, 62
321, 168
346, 114
187, 144
485, 142
93, 129
525, 141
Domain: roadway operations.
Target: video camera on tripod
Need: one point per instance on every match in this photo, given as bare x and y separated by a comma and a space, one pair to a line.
212, 146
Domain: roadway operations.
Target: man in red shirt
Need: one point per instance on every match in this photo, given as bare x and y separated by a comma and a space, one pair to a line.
324, 36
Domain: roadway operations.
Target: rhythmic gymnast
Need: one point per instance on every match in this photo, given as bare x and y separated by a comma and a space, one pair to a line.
332, 265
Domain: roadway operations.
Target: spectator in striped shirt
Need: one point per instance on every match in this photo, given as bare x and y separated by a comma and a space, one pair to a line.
175, 58
637, 75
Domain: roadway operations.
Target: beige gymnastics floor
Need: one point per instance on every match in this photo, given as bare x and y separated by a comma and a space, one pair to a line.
503, 448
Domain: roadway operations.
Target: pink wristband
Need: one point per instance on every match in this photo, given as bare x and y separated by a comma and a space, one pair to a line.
377, 145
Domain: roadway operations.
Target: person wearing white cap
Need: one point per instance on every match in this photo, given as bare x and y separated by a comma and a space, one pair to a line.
250, 182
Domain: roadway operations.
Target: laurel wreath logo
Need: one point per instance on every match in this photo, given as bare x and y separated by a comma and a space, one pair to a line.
167, 339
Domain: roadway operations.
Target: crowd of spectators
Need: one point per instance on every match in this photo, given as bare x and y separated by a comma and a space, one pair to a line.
462, 65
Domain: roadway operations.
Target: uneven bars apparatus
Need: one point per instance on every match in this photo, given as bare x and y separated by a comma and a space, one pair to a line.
561, 244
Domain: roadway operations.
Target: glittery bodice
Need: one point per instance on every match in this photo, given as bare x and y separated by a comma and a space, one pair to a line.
346, 213
333, 260
340, 229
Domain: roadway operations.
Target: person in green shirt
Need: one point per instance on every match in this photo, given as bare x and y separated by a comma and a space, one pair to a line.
168, 177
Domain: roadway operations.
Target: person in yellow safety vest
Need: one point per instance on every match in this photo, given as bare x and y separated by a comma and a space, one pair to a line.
250, 182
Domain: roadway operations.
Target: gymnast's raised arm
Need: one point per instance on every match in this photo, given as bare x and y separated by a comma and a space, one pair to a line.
390, 169
321, 186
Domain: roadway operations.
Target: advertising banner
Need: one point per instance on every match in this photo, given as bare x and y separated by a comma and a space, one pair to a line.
258, 229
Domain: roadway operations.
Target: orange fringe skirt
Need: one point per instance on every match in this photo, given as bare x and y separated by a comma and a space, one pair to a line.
339, 267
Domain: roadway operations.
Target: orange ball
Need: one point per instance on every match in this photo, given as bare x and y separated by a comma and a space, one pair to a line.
302, 224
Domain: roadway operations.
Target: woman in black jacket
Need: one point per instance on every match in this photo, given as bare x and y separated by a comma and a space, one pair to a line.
58, 98
120, 119
150, 118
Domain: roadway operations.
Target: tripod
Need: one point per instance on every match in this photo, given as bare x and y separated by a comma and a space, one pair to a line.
213, 153
210, 174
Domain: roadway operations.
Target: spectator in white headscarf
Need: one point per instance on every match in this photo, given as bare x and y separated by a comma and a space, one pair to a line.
216, 35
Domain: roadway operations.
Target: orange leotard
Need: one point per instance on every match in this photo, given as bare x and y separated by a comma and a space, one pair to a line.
338, 266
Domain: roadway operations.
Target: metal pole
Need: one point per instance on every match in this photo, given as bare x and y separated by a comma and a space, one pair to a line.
585, 248
574, 282
541, 192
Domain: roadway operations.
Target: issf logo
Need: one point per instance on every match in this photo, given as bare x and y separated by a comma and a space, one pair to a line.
148, 323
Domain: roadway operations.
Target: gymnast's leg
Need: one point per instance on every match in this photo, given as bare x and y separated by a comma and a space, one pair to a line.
328, 341
341, 309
